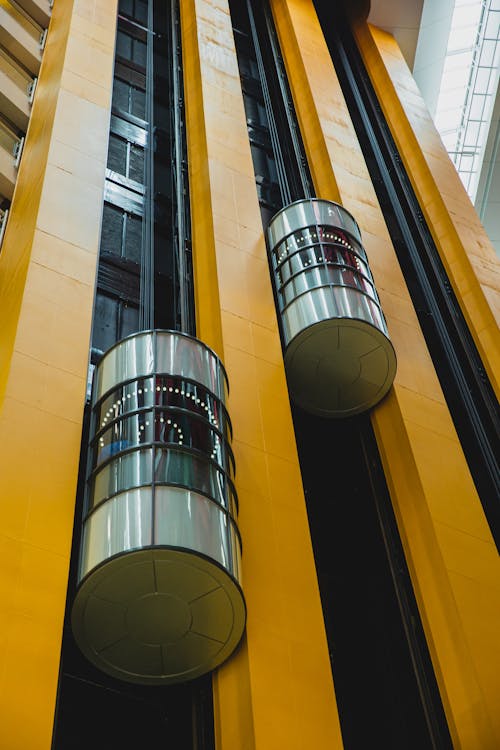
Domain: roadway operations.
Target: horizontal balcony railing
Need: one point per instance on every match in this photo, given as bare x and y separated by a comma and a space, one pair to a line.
38, 10
10, 153
21, 36
16, 88
23, 32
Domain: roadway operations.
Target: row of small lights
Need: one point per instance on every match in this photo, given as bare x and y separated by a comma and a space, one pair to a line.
112, 413
162, 421
322, 259
142, 427
314, 236
179, 433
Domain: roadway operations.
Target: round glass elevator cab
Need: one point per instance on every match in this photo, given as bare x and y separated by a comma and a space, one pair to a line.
338, 357
159, 597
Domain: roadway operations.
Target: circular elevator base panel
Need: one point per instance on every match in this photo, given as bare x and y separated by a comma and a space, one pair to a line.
339, 367
158, 616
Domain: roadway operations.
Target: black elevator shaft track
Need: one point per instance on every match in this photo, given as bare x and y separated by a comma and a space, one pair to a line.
467, 389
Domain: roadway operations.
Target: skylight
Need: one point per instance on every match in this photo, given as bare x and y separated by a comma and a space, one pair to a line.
469, 85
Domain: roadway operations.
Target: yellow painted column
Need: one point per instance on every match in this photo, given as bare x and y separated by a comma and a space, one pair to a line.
465, 249
277, 691
47, 275
474, 271
451, 555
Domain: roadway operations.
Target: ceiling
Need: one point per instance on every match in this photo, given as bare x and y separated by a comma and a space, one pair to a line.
421, 28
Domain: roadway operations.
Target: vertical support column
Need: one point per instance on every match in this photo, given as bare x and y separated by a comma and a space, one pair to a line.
277, 691
440, 518
464, 247
474, 271
47, 273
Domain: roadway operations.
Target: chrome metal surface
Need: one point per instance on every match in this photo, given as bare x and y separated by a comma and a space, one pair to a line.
310, 213
160, 352
338, 357
159, 532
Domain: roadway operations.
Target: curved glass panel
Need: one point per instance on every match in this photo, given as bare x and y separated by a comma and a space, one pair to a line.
180, 428
236, 553
319, 276
160, 352
183, 356
164, 391
160, 432
306, 213
123, 434
176, 392
176, 468
122, 523
127, 398
129, 359
322, 304
331, 237
320, 268
170, 427
327, 255
170, 467
125, 472
185, 519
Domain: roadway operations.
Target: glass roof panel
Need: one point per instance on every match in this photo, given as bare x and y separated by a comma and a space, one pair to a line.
469, 85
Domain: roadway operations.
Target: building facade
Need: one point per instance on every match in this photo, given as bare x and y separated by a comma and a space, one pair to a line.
145, 148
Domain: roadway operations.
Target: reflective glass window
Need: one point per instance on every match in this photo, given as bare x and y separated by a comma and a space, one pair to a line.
136, 9
323, 254
133, 396
130, 48
189, 470
121, 233
193, 522
323, 275
126, 472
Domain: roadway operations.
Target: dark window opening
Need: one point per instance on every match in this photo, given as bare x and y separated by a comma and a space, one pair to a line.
380, 662
281, 171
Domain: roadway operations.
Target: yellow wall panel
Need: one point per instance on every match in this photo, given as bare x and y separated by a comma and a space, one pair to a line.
232, 697
462, 534
429, 563
207, 306
277, 691
429, 482
47, 275
460, 238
